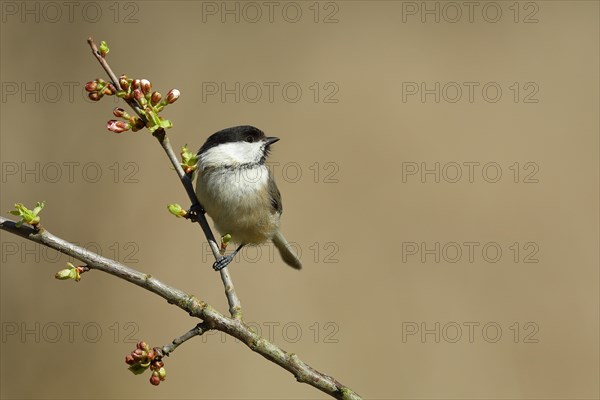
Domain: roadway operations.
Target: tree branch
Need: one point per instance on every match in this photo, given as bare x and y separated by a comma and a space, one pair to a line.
92, 260
198, 330
212, 319
235, 306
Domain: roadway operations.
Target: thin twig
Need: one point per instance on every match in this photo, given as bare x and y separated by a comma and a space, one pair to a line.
198, 330
192, 305
113, 78
235, 306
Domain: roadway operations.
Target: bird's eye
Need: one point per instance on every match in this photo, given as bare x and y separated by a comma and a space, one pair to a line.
249, 139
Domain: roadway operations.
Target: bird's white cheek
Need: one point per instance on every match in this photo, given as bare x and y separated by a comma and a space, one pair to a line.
231, 154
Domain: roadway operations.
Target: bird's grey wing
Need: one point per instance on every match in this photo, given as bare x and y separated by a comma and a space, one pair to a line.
274, 195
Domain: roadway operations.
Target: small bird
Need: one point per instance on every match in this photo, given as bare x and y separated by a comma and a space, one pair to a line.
237, 190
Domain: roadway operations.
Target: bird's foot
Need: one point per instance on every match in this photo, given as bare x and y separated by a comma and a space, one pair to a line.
223, 261
195, 210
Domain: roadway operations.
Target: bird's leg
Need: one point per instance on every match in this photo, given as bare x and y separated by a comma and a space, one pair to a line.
195, 210
225, 260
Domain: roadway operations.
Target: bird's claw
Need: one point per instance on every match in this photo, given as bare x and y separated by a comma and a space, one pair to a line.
222, 262
194, 211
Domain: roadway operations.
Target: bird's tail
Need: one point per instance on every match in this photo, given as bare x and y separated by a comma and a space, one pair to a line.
286, 252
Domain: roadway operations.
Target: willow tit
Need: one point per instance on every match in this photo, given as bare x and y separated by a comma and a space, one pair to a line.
238, 191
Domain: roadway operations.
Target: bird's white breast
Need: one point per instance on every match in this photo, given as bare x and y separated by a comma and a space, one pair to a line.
237, 200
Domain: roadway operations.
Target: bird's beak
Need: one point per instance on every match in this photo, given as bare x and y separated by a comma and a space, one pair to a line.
271, 139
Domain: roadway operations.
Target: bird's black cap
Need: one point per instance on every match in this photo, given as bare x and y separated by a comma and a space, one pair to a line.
242, 133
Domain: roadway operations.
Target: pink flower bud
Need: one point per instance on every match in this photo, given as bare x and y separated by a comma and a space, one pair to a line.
135, 84
146, 86
136, 124
138, 95
142, 345
91, 86
172, 96
117, 126
120, 113
155, 379
109, 89
155, 99
124, 82
129, 359
95, 96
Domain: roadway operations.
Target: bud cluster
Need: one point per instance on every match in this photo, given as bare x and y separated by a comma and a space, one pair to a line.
129, 122
103, 50
72, 272
189, 160
177, 210
29, 216
142, 358
151, 103
98, 88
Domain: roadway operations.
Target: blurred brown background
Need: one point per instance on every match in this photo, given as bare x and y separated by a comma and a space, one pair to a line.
475, 286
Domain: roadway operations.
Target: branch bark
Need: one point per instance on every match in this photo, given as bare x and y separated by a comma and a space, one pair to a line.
198, 330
